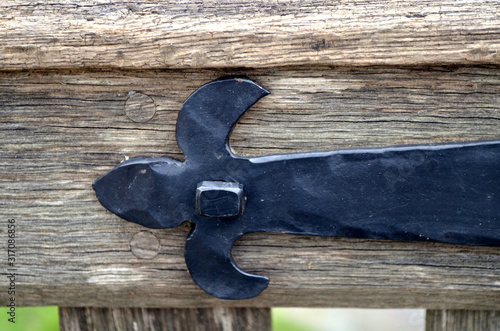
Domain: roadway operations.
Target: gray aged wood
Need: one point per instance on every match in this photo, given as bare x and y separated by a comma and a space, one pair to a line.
141, 319
140, 34
462, 320
62, 130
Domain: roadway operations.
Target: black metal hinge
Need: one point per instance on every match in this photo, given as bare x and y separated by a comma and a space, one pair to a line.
447, 192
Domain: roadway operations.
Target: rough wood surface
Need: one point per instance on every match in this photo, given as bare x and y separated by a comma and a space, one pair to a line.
462, 320
62, 130
142, 34
143, 319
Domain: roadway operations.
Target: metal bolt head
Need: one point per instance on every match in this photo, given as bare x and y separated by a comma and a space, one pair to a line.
219, 199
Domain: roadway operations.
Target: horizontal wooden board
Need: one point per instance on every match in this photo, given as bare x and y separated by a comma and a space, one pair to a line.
142, 34
62, 130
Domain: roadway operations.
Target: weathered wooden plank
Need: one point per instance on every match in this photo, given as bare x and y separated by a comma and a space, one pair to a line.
62, 130
462, 320
134, 319
140, 34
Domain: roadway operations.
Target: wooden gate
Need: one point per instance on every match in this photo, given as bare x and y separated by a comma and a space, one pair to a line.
87, 84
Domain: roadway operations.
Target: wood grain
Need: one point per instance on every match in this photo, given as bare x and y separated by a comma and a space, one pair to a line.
62, 130
145, 34
135, 319
462, 320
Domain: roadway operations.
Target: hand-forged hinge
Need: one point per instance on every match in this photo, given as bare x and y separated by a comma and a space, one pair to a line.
447, 192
